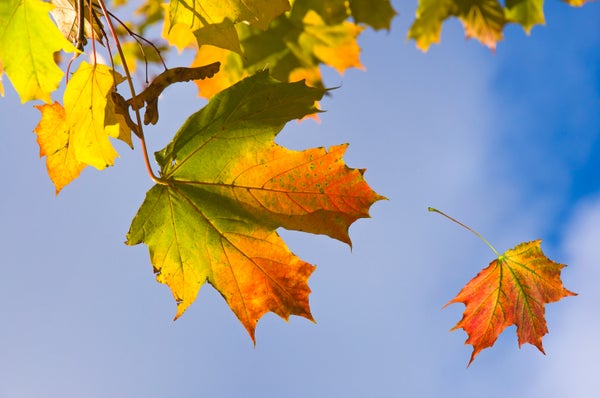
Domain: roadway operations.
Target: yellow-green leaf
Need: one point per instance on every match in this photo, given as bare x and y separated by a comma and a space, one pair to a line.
427, 26
528, 13
28, 41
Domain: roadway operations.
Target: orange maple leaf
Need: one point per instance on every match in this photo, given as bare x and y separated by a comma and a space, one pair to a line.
512, 290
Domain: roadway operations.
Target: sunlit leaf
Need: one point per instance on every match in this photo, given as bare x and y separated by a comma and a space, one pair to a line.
482, 19
85, 101
227, 187
528, 13
28, 41
217, 18
512, 290
54, 139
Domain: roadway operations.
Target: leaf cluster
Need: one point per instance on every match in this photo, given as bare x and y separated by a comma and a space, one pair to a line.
224, 186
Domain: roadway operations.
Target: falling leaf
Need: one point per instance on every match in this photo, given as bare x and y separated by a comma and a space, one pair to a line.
512, 290
86, 101
28, 41
226, 187
54, 140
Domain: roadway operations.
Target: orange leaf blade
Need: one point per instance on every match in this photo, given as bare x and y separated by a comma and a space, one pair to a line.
512, 290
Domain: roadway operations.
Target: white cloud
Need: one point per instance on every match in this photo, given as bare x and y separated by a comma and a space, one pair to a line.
574, 330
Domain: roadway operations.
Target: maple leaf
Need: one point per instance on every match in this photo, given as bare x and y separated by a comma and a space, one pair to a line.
482, 19
54, 140
427, 26
512, 290
28, 41
77, 135
86, 99
226, 187
525, 12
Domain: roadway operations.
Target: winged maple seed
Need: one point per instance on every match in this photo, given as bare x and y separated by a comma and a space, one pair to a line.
512, 290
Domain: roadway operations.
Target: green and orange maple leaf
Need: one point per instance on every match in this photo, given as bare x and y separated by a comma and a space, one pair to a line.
226, 187
512, 290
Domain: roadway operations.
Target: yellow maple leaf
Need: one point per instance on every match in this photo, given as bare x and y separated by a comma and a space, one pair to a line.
55, 143
85, 107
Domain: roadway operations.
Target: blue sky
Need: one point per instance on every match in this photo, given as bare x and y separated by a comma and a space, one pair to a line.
506, 142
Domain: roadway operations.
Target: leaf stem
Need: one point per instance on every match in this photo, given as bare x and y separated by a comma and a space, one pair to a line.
467, 228
139, 132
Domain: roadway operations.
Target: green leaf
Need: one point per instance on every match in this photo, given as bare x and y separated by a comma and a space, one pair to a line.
226, 187
376, 13
427, 25
528, 13
28, 41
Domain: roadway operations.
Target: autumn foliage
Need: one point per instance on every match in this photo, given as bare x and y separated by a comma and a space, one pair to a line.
223, 185
512, 290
